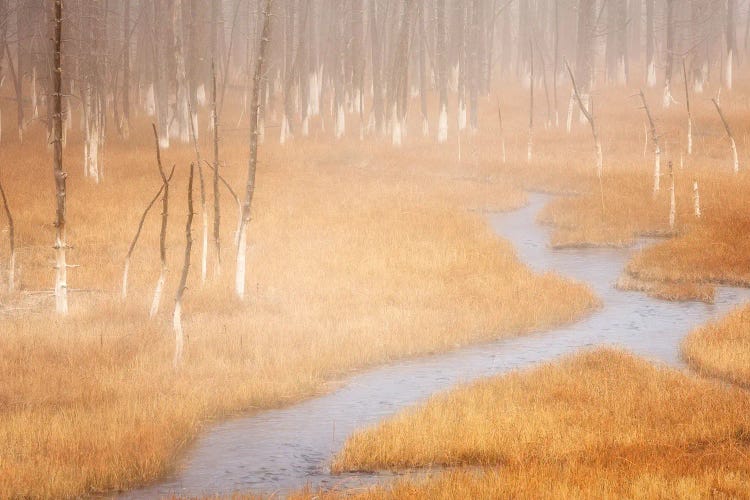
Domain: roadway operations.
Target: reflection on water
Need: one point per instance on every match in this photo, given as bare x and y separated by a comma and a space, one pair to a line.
276, 451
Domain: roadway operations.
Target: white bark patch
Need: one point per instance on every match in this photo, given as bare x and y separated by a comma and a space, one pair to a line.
657, 170
34, 99
667, 99
696, 200
239, 277
443, 126
12, 272
61, 278
395, 127
622, 77
728, 70
200, 94
461, 115
158, 293
569, 123
284, 130
651, 74
690, 137
178, 334
125, 273
150, 103
672, 207
340, 125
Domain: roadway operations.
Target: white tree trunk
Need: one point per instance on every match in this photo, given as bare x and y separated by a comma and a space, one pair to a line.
12, 272
667, 99
284, 130
690, 136
530, 147
728, 70
150, 104
443, 126
340, 126
158, 293
125, 279
178, 334
395, 127
239, 277
651, 77
657, 170
571, 102
599, 158
61, 278
200, 94
672, 207
461, 115
204, 249
696, 200
735, 158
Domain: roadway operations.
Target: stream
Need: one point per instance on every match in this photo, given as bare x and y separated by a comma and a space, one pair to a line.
279, 450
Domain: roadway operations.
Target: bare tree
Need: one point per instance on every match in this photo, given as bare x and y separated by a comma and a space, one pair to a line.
163, 232
255, 106
655, 139
589, 114
11, 241
61, 245
177, 316
732, 143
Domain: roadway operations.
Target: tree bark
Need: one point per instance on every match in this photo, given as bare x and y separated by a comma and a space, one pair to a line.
61, 245
253, 159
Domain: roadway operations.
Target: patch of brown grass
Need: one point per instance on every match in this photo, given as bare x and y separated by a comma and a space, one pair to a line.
679, 291
359, 255
722, 349
602, 424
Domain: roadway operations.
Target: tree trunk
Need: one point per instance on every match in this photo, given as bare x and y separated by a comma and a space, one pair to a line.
61, 265
253, 160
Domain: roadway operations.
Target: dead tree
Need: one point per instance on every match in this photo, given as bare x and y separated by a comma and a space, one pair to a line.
163, 233
217, 204
667, 98
137, 235
657, 148
589, 114
732, 143
689, 115
502, 132
731, 42
61, 245
530, 148
442, 72
177, 316
672, 207
255, 105
11, 241
650, 45
696, 200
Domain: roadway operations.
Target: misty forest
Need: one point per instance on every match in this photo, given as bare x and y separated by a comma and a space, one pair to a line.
374, 248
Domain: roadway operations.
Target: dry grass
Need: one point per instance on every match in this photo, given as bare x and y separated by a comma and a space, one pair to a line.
722, 349
664, 290
602, 424
711, 249
359, 255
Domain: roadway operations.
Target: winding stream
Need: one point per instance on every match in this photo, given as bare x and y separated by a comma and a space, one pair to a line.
275, 451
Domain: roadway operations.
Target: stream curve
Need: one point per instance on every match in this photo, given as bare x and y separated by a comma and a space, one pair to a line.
279, 450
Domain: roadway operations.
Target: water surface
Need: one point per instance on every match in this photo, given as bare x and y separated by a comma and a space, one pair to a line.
276, 451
